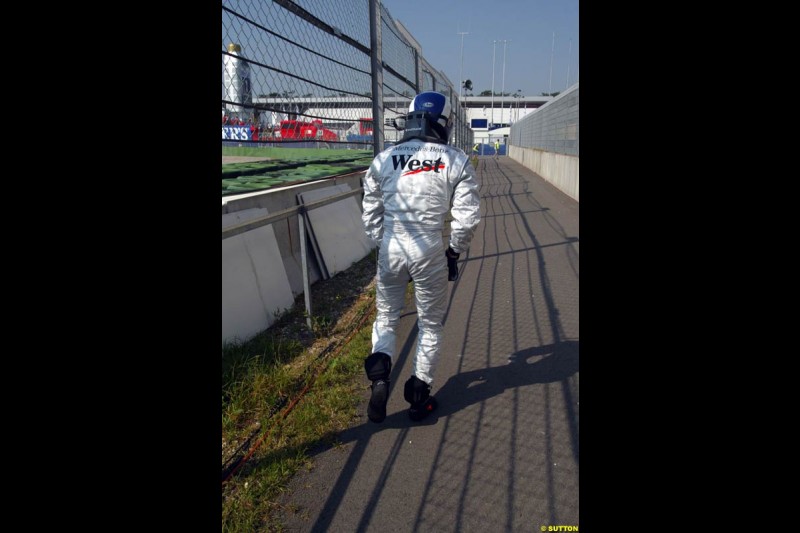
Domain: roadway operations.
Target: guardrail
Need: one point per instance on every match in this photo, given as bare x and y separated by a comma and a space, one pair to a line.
299, 210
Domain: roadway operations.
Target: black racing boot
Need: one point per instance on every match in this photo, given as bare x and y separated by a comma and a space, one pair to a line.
378, 367
418, 394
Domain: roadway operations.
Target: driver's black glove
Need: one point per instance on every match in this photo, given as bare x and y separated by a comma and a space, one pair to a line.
452, 266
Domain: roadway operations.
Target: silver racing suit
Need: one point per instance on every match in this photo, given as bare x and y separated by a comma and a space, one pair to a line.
408, 190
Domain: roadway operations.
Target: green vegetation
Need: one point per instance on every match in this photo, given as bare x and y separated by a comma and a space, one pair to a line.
289, 391
289, 153
284, 166
488, 92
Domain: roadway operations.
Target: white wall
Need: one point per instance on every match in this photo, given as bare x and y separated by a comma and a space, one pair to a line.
286, 231
559, 169
255, 289
262, 268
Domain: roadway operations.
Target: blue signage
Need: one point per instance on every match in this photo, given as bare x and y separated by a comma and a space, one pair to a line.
236, 133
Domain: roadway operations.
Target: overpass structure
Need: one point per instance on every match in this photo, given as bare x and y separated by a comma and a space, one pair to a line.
486, 113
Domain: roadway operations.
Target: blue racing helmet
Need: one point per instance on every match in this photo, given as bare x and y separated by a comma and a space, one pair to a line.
429, 117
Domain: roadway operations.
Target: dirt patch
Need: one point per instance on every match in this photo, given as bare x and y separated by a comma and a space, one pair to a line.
243, 159
333, 303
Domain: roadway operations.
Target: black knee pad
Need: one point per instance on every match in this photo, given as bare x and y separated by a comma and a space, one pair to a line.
378, 366
416, 391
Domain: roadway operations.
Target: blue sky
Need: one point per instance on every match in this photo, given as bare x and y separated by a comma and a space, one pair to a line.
527, 24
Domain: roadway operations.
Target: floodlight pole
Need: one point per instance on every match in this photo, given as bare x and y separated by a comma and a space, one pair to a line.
491, 123
461, 71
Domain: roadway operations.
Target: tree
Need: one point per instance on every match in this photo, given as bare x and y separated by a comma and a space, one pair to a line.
551, 94
487, 92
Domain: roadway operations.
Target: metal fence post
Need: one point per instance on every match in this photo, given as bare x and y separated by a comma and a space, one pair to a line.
301, 213
377, 76
417, 86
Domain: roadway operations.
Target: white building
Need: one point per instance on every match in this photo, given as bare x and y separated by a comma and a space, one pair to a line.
489, 118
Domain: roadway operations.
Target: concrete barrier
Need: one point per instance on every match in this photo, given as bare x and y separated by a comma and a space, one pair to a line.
255, 290
286, 231
254, 285
559, 169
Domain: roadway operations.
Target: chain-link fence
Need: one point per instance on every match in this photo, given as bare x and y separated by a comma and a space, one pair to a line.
553, 127
301, 72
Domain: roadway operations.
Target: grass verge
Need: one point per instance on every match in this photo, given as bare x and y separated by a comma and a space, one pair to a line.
262, 380
286, 153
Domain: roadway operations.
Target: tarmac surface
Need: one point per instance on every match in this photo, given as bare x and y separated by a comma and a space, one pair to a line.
501, 452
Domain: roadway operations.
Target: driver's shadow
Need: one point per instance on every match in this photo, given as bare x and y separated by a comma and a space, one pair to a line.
559, 361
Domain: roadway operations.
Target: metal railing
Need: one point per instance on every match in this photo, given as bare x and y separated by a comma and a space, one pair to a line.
300, 211
339, 66
554, 127
336, 70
